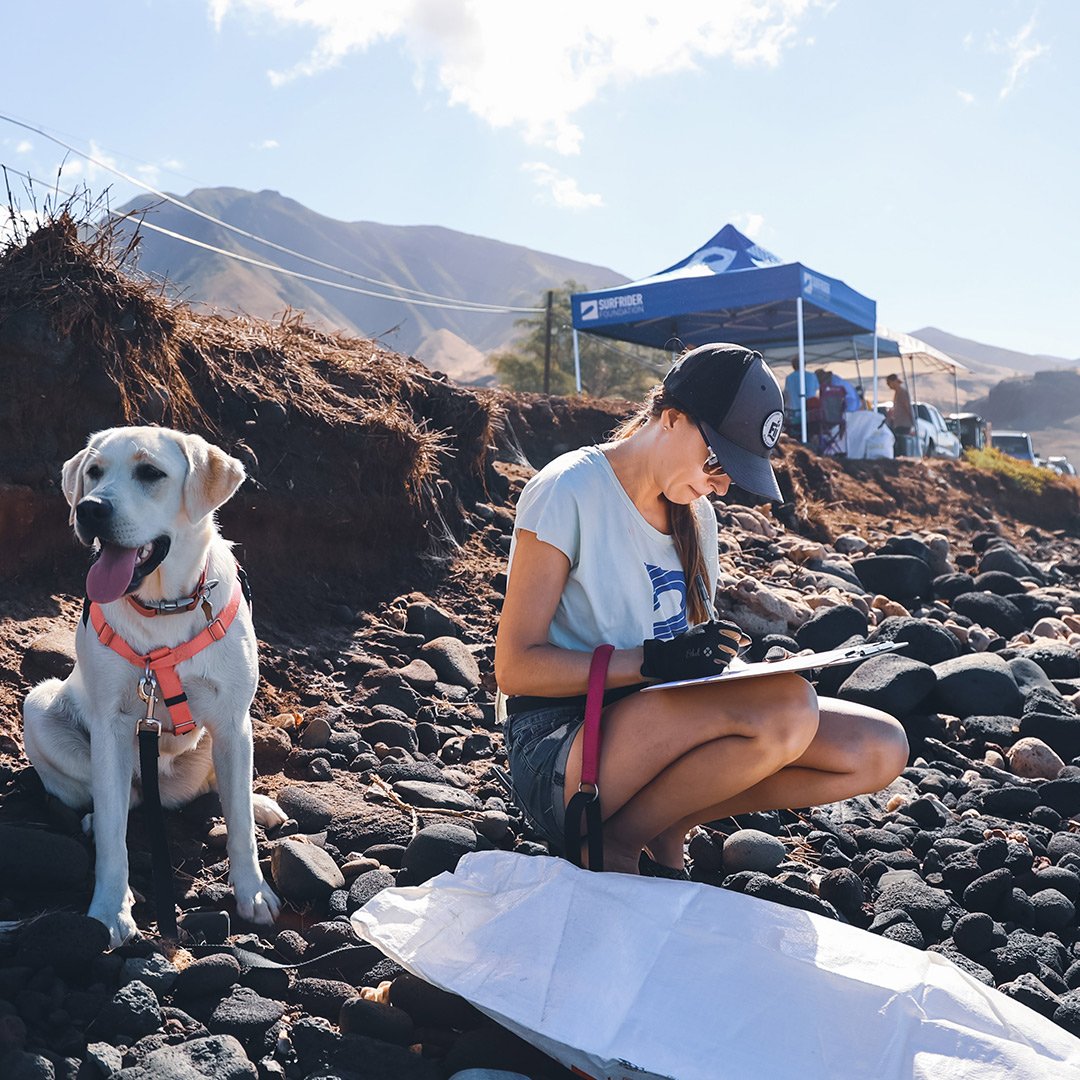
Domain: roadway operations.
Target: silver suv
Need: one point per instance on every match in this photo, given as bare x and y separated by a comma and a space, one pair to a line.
1016, 444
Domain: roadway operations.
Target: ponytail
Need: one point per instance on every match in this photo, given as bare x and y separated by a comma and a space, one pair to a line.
683, 516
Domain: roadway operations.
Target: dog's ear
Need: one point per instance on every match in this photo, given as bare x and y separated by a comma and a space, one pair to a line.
212, 478
71, 481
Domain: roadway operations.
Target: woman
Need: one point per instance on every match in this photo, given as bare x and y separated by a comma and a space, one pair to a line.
606, 541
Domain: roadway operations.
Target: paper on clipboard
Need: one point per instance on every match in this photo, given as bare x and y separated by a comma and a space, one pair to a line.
739, 670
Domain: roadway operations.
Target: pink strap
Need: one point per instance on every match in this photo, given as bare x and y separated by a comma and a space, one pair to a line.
594, 705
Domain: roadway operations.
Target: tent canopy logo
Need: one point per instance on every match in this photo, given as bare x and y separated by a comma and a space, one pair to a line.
590, 309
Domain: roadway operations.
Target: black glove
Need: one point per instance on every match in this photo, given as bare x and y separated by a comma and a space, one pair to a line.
705, 650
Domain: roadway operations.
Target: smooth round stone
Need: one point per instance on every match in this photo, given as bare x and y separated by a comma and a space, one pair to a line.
245, 1014
435, 796
751, 849
304, 872
1033, 759
376, 1020
973, 933
1053, 910
207, 976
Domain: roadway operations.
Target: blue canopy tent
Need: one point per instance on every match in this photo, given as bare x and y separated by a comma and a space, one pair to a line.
729, 289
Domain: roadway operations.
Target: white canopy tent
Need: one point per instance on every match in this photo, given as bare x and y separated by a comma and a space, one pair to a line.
875, 355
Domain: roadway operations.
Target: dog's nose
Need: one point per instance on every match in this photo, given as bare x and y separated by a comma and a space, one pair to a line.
93, 513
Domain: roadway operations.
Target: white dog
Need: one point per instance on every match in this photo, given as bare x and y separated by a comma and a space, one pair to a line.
145, 498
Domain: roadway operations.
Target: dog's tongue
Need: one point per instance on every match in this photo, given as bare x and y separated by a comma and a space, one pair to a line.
110, 575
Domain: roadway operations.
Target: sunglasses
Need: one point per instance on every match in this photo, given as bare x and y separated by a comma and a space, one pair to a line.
712, 466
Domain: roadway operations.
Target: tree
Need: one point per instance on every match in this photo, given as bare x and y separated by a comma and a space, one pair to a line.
608, 368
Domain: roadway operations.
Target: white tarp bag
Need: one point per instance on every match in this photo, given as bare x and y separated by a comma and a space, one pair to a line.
620, 976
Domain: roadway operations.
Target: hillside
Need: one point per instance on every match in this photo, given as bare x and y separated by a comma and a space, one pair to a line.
1046, 404
426, 258
990, 359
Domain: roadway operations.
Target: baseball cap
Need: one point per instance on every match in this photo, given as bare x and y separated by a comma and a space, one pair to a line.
731, 392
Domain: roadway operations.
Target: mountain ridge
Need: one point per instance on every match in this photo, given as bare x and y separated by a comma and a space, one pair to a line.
430, 259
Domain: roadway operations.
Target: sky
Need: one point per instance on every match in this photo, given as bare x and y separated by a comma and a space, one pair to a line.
927, 153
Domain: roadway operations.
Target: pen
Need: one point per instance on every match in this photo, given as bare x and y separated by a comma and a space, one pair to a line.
706, 599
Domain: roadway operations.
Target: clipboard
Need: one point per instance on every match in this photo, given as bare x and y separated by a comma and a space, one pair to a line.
739, 670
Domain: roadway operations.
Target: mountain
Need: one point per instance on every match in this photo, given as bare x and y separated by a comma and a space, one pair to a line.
426, 258
990, 359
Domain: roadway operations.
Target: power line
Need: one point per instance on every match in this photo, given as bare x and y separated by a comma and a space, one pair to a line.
274, 267
459, 305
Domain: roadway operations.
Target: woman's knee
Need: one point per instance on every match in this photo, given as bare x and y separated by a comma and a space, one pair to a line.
792, 718
877, 750
889, 751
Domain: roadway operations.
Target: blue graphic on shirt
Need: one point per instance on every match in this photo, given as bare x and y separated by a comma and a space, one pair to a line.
669, 601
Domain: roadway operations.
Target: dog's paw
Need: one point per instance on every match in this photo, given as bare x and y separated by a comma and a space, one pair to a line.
267, 812
258, 905
120, 924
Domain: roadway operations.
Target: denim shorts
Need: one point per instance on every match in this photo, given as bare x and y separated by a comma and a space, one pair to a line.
537, 746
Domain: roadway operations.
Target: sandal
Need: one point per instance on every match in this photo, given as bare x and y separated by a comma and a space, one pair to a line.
649, 867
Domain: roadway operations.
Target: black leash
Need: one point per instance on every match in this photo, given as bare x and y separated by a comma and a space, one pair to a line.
149, 731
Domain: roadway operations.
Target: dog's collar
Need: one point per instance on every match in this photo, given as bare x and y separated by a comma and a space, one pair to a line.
200, 595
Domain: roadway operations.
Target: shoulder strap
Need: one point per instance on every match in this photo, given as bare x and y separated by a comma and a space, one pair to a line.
586, 800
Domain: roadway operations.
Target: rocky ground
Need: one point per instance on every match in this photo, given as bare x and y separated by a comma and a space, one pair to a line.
376, 731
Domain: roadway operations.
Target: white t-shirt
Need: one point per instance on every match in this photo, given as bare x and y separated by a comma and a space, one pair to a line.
626, 583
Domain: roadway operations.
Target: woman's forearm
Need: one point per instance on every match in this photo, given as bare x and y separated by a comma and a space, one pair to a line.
548, 671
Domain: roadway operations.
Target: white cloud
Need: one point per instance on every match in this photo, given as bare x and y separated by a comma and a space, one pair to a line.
534, 67
749, 224
149, 174
172, 165
19, 224
24, 147
94, 171
966, 97
266, 144
1022, 52
559, 189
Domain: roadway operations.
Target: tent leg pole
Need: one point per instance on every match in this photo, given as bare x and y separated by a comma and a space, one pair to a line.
802, 369
577, 362
875, 372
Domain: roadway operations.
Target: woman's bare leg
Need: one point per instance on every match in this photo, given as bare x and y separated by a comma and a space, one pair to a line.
856, 750
667, 755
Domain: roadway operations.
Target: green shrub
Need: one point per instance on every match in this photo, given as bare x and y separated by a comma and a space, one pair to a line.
1018, 474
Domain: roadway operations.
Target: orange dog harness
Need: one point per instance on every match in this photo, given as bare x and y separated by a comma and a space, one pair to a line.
160, 664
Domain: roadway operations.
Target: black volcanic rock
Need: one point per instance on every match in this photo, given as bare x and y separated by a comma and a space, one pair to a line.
994, 612
926, 641
899, 577
830, 627
950, 586
891, 682
976, 684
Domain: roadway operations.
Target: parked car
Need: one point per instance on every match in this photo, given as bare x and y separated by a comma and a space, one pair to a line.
972, 429
1061, 464
934, 438
1016, 444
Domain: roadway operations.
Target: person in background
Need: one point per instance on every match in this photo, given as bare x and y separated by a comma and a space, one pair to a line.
900, 416
852, 401
792, 396
618, 543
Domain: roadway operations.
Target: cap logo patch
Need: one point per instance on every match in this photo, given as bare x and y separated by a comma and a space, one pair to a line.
770, 430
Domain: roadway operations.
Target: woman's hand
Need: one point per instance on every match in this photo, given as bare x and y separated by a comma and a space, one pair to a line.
704, 650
